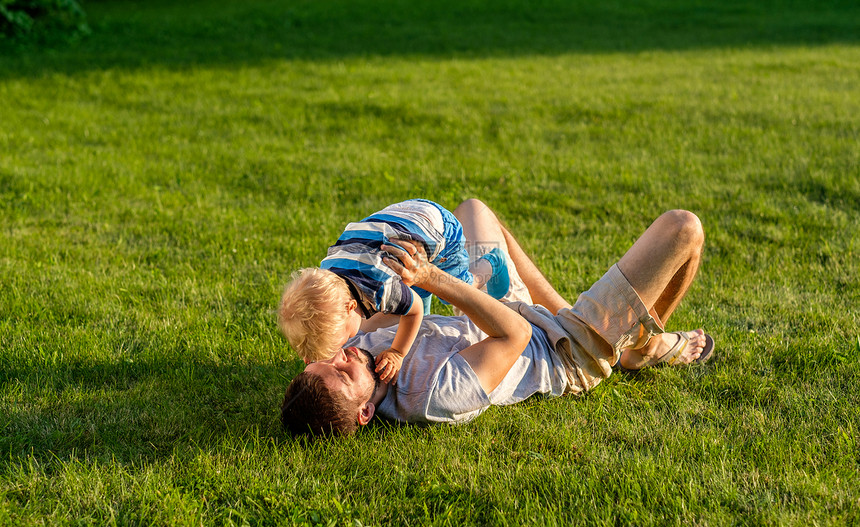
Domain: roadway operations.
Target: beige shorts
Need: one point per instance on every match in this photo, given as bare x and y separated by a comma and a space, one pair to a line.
607, 318
611, 308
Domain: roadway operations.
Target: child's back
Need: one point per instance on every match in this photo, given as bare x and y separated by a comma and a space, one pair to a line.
357, 257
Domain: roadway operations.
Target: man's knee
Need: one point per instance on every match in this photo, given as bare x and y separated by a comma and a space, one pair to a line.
469, 207
685, 227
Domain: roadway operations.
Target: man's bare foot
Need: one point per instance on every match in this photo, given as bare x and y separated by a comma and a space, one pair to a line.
668, 348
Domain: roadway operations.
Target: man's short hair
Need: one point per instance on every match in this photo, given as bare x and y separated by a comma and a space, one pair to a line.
313, 312
310, 407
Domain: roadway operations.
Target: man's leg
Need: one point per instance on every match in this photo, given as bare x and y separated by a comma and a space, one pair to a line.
481, 225
540, 289
660, 266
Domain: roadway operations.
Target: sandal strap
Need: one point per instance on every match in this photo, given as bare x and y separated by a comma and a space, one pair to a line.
675, 351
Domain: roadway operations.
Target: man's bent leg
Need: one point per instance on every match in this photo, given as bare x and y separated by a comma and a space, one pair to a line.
480, 224
660, 266
483, 233
541, 291
662, 263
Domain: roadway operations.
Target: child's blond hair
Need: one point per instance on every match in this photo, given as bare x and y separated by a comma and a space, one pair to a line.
313, 312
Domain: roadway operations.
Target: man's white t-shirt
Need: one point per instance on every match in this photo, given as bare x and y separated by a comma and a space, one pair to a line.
437, 385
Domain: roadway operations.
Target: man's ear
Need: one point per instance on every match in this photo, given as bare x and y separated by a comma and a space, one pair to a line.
365, 413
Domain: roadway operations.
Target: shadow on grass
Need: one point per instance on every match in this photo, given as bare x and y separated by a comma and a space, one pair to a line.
132, 411
129, 411
130, 34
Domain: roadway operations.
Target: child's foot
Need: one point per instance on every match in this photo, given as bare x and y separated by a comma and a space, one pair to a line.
500, 282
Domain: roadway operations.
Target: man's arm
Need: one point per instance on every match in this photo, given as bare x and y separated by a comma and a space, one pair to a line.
508, 333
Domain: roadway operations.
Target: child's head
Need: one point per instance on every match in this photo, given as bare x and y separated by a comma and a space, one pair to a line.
317, 313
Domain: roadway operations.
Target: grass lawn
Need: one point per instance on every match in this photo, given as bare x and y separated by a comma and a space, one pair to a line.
160, 179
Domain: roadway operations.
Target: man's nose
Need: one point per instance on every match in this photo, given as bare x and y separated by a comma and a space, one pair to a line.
340, 356
337, 358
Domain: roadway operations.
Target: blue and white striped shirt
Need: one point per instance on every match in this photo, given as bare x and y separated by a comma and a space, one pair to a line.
357, 257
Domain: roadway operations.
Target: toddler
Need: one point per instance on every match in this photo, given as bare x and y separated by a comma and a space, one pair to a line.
323, 307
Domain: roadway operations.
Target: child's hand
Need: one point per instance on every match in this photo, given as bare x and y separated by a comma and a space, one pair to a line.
388, 363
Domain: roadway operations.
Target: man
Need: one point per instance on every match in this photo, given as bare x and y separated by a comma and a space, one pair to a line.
502, 354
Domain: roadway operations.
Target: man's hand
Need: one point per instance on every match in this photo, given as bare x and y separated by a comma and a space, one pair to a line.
508, 333
388, 364
413, 267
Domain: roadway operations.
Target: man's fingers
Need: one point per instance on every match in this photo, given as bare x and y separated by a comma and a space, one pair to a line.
403, 245
405, 248
396, 251
412, 247
393, 264
407, 245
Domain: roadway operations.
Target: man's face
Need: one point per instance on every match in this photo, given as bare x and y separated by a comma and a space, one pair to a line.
350, 372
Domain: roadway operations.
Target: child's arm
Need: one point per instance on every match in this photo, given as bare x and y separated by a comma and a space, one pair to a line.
377, 321
389, 361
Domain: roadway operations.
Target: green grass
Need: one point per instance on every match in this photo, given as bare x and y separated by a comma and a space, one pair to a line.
160, 179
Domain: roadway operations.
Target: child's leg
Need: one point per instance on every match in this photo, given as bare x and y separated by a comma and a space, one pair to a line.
426, 300
481, 228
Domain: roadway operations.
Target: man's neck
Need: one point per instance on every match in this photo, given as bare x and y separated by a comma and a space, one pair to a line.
379, 394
